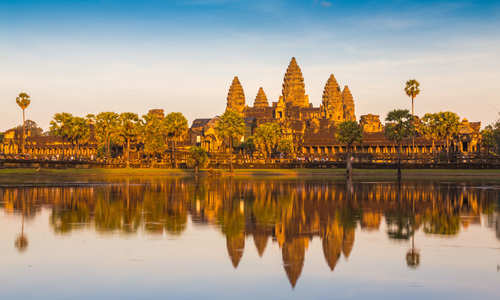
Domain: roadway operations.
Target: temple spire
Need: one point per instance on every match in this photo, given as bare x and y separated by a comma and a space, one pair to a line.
294, 93
261, 99
236, 96
348, 104
332, 107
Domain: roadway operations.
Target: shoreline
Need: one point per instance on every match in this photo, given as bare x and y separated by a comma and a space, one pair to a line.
61, 177
298, 171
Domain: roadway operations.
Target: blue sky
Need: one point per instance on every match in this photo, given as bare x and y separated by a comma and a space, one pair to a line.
90, 56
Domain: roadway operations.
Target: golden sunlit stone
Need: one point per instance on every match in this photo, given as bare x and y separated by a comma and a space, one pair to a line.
333, 109
371, 123
348, 102
236, 96
260, 99
294, 93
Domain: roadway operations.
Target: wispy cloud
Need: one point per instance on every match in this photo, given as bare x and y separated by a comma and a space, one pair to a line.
326, 3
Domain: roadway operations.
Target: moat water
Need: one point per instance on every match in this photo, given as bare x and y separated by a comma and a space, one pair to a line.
250, 238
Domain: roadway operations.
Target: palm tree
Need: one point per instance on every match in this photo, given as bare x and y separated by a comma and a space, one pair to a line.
128, 129
412, 89
176, 127
23, 101
400, 127
230, 126
349, 133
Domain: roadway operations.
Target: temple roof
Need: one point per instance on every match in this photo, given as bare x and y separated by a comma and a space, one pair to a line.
200, 123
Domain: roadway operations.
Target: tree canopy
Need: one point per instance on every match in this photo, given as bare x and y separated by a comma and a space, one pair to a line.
412, 88
23, 100
230, 126
349, 132
400, 125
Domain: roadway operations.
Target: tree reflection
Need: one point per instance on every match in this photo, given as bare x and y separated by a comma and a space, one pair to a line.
21, 242
287, 212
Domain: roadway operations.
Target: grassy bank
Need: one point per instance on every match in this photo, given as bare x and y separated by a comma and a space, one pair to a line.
55, 176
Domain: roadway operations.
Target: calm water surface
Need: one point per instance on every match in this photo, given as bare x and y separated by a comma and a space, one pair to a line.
180, 238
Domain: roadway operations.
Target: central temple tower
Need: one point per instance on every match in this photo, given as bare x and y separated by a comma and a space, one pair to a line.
294, 93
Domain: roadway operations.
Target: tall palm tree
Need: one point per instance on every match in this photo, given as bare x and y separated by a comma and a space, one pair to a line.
412, 89
23, 101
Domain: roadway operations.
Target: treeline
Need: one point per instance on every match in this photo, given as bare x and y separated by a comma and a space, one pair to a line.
152, 133
154, 136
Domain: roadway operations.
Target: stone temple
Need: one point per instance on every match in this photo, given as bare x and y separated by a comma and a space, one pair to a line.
293, 109
313, 129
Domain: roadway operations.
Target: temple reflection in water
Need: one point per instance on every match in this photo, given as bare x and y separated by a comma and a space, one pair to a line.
287, 212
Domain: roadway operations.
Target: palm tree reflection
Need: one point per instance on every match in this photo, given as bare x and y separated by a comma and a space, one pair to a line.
413, 255
289, 213
21, 242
